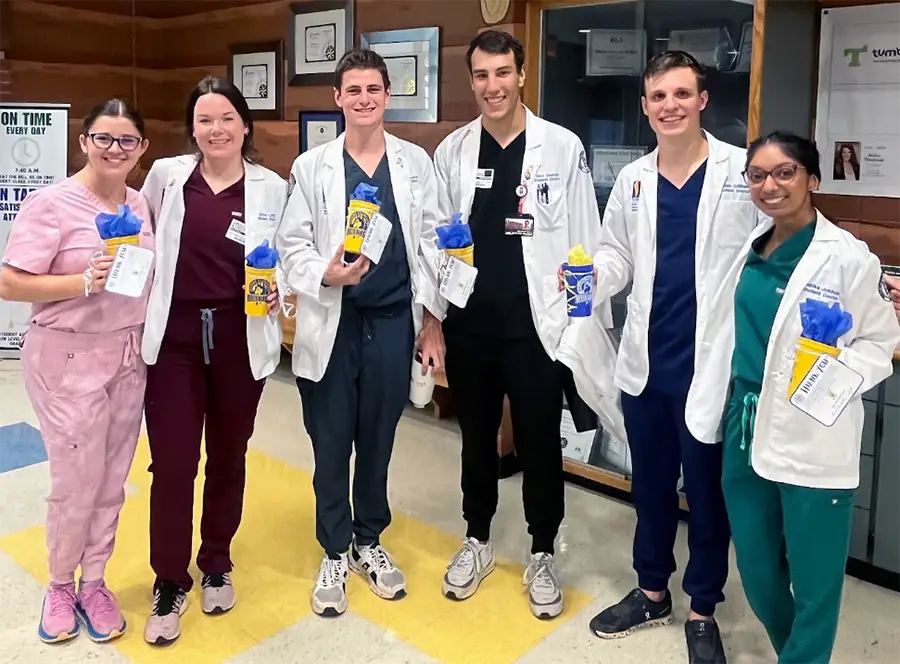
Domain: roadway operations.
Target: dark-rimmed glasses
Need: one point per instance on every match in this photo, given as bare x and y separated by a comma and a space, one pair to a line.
781, 174
105, 141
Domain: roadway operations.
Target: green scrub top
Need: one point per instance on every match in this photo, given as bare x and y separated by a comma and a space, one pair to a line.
756, 301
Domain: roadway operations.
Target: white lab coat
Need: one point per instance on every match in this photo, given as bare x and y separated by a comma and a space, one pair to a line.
314, 225
788, 445
627, 254
553, 155
264, 197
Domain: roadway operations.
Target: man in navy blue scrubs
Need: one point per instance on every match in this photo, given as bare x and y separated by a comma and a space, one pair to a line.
674, 223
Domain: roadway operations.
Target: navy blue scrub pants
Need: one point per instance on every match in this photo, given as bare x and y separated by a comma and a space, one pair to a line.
660, 446
358, 401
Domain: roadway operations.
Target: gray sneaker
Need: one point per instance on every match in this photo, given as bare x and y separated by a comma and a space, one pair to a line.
377, 567
329, 596
218, 593
164, 624
467, 569
544, 589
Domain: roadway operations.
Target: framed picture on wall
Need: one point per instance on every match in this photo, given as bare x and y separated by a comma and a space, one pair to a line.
257, 70
319, 127
411, 57
319, 33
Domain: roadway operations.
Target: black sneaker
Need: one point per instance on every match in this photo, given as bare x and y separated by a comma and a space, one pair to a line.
704, 643
636, 610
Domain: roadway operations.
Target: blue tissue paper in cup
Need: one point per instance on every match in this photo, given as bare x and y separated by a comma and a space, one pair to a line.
579, 289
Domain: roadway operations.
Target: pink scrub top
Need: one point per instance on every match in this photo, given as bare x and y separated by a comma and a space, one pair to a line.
55, 233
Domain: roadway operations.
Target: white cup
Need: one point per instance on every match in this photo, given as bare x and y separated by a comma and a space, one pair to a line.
421, 388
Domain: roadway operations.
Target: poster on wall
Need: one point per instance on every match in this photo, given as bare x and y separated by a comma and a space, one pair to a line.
857, 131
34, 141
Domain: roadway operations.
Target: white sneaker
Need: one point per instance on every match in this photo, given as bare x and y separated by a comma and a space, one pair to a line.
377, 567
329, 596
544, 589
467, 569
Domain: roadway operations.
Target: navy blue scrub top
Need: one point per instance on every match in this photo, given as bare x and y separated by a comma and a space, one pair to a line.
673, 314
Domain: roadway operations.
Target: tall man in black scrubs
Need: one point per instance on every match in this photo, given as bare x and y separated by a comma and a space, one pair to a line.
673, 226
357, 322
524, 186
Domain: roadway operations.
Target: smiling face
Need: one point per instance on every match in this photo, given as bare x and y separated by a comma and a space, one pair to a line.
779, 185
672, 102
496, 83
362, 97
113, 145
218, 128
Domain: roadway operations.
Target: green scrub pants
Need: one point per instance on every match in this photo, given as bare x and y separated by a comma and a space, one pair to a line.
785, 537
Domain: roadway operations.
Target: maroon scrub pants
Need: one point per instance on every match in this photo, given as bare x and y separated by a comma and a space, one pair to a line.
202, 376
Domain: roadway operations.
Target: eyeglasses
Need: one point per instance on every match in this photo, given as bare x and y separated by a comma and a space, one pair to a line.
105, 141
781, 174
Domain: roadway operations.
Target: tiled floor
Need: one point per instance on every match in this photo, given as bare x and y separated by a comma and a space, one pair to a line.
277, 556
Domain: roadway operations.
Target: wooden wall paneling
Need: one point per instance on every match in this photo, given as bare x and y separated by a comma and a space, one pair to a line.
162, 94
455, 99
152, 8
754, 110
459, 20
883, 239
82, 86
40, 32
307, 98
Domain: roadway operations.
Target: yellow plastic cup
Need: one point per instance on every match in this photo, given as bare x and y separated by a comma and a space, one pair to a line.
466, 254
258, 285
113, 244
359, 214
808, 352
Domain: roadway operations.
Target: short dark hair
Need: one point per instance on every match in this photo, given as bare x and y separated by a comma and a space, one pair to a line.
113, 108
669, 60
361, 58
221, 86
497, 42
802, 150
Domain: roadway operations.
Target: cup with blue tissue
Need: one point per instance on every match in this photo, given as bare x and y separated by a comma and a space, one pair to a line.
363, 206
455, 239
578, 273
259, 279
116, 229
823, 323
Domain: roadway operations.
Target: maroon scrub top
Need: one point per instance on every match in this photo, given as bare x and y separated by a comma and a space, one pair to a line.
210, 266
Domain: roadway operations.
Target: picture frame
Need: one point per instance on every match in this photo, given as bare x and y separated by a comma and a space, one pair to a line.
412, 57
257, 70
319, 33
318, 127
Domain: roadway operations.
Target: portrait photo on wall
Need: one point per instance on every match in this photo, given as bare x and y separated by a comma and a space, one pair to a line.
257, 70
846, 160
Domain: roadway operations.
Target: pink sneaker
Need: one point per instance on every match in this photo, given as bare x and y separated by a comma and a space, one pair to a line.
58, 621
99, 612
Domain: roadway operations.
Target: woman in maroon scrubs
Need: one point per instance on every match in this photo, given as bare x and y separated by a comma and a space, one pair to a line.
207, 359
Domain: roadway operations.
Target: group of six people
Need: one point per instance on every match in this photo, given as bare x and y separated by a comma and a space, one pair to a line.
718, 244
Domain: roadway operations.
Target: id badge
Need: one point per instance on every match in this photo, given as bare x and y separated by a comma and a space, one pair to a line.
522, 225
236, 231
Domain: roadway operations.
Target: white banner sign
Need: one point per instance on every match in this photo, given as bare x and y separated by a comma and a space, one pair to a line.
34, 140
857, 127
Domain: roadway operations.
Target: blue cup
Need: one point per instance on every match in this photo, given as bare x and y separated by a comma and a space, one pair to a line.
579, 289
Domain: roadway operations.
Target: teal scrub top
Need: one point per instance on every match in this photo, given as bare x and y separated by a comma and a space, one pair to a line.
756, 301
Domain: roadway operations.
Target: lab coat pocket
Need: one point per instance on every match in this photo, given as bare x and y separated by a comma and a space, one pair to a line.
550, 209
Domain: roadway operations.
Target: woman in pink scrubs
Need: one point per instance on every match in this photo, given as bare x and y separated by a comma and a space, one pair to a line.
81, 365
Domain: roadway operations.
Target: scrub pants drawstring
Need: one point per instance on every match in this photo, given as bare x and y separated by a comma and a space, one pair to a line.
748, 422
206, 318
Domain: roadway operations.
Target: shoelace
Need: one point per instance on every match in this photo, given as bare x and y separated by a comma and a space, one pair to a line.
465, 558
168, 598
216, 580
62, 600
99, 601
331, 573
382, 559
540, 574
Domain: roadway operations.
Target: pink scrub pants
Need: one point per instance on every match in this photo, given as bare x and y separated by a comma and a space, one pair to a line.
87, 391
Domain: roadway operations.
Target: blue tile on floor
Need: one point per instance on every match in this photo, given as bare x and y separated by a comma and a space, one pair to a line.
20, 445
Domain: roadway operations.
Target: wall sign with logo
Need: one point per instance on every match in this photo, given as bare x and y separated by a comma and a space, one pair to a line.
857, 131
34, 142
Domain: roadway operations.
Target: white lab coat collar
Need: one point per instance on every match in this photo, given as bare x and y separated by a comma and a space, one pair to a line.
534, 138
334, 186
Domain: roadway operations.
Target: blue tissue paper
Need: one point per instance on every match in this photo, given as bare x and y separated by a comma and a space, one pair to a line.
122, 224
455, 235
263, 257
365, 192
824, 322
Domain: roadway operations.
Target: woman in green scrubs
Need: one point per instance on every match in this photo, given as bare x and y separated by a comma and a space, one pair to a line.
792, 535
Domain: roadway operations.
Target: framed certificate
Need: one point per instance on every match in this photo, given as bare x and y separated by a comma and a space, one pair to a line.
319, 127
257, 70
320, 32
